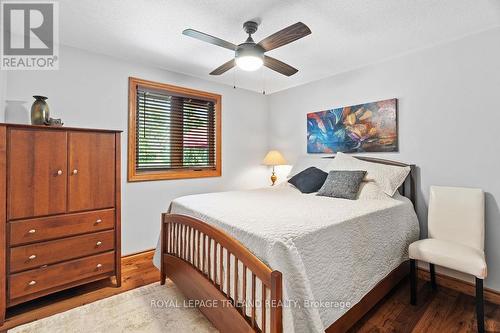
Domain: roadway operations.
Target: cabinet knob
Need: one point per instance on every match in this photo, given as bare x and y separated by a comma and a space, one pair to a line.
98, 221
99, 243
32, 231
98, 266
59, 172
32, 283
75, 171
31, 257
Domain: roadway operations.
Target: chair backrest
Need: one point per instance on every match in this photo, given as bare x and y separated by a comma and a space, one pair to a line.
457, 214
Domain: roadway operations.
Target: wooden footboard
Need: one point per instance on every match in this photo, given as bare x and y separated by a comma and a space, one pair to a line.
231, 287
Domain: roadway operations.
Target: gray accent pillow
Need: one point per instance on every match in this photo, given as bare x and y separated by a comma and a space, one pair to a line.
342, 184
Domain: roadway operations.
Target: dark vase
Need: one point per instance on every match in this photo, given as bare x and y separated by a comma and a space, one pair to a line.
40, 113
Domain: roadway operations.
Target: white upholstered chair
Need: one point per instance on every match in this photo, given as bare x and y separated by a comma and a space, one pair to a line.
456, 239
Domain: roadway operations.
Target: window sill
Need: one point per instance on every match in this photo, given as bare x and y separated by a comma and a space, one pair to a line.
171, 175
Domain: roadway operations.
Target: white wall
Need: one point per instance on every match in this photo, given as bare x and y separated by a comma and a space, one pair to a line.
91, 90
449, 116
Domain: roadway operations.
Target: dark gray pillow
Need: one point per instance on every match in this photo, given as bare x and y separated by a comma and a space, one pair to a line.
309, 180
342, 184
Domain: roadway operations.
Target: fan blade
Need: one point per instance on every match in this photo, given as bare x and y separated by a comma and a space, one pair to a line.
285, 36
209, 39
224, 68
279, 66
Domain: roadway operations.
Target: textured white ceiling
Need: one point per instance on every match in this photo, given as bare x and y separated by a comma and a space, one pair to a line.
346, 34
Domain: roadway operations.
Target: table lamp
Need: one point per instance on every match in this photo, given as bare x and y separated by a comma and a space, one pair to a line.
274, 158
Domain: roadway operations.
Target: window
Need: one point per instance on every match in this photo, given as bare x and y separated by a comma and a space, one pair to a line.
174, 132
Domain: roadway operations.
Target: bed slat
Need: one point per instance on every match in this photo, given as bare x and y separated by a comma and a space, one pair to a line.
221, 275
263, 307
228, 274
202, 253
235, 282
209, 255
190, 246
198, 260
244, 292
253, 300
179, 241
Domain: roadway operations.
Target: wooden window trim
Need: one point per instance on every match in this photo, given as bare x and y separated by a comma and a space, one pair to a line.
133, 174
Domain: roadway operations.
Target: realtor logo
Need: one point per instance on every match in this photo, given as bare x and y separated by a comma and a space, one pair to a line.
30, 35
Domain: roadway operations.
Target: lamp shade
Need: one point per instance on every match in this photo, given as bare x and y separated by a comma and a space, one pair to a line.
274, 157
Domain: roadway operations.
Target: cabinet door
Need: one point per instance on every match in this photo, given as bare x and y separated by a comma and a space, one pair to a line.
37, 168
91, 171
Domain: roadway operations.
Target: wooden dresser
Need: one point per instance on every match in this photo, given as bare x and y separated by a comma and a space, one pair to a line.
59, 210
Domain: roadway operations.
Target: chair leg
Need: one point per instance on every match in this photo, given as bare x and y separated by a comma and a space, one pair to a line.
413, 282
479, 305
433, 276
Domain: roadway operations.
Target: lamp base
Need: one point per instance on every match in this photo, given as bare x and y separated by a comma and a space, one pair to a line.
274, 178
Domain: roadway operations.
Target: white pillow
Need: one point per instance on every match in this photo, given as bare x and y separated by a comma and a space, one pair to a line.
388, 177
305, 162
371, 191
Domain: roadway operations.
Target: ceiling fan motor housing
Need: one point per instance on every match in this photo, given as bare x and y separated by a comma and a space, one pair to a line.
250, 27
249, 49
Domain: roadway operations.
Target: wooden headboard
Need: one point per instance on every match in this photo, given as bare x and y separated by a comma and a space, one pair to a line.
408, 188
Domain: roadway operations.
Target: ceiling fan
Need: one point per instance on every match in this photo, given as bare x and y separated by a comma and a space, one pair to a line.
249, 56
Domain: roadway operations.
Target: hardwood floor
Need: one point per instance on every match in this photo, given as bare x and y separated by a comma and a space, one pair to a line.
443, 311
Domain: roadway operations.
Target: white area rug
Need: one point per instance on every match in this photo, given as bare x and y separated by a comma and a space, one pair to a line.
151, 308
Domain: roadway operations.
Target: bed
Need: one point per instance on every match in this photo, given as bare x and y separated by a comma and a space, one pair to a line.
274, 259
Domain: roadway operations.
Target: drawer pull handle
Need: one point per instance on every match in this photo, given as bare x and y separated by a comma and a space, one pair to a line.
75, 171
32, 231
59, 172
98, 221
32, 283
98, 266
31, 257
99, 243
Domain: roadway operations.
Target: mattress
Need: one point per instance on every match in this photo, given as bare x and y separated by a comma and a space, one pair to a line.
331, 251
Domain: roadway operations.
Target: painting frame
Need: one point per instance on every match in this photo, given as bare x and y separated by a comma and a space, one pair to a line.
371, 127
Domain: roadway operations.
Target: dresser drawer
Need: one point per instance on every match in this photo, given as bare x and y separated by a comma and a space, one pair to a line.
54, 277
38, 254
45, 228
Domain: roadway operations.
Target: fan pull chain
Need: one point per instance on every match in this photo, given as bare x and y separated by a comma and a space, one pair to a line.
263, 80
262, 74
234, 78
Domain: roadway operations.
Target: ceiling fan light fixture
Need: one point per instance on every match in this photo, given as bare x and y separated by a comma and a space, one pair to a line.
249, 63
249, 57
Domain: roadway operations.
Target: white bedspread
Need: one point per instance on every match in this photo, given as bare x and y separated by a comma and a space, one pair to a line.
328, 249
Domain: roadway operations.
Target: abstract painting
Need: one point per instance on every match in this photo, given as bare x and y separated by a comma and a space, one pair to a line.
369, 127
